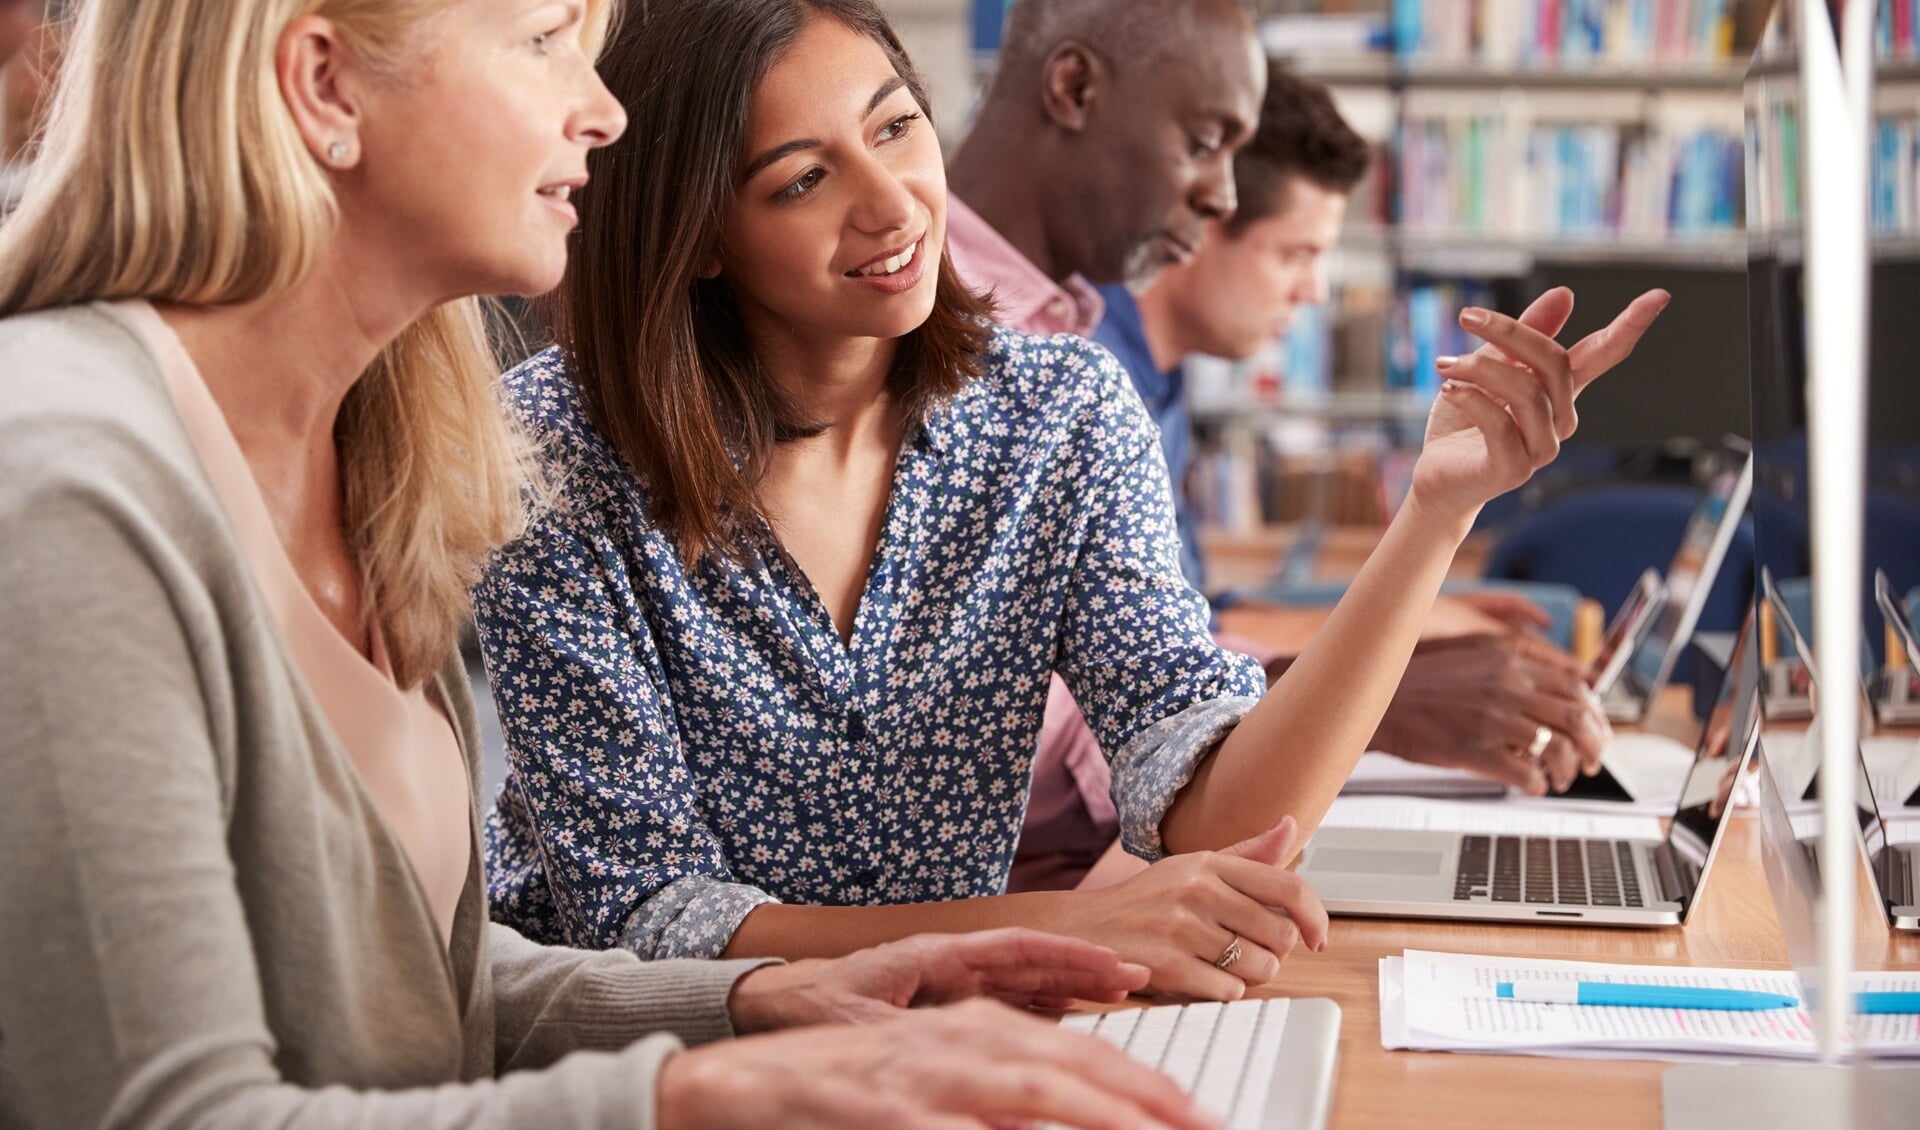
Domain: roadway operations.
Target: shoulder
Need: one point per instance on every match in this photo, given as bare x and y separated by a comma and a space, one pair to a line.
84, 412
1061, 386
546, 401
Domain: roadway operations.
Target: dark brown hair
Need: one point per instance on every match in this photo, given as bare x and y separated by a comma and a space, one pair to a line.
661, 354
1301, 134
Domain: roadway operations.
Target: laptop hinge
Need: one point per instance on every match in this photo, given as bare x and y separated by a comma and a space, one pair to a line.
1666, 875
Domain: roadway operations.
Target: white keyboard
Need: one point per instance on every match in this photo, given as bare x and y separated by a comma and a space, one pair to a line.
1227, 1056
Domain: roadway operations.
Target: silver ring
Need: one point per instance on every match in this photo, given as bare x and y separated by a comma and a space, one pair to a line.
1542, 737
1229, 955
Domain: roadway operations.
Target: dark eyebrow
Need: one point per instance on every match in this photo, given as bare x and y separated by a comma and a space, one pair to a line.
886, 88
790, 148
776, 153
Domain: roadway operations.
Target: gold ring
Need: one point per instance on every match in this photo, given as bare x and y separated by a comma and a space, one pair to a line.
1542, 736
1229, 955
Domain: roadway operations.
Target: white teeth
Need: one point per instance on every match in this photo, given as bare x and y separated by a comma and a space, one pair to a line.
893, 264
559, 192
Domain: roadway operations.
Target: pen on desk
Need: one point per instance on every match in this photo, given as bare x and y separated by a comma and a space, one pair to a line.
1641, 996
1886, 1004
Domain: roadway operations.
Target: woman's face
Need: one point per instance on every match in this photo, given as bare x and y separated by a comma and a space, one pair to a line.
471, 151
840, 219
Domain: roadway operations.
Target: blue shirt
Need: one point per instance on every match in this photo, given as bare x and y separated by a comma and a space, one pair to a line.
1165, 395
685, 745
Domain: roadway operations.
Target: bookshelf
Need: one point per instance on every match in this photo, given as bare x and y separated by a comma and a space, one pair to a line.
1514, 137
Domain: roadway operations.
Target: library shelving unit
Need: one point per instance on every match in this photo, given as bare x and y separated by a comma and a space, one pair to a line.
1522, 143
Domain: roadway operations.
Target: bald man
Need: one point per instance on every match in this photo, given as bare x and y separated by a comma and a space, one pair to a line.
1101, 151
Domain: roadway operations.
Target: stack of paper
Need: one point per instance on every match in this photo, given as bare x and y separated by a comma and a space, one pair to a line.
1447, 1002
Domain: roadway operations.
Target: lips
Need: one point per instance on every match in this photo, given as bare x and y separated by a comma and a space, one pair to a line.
1183, 249
888, 262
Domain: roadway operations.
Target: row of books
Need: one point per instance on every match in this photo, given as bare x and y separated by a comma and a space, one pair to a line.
1367, 340
1897, 29
1774, 174
1569, 32
1490, 173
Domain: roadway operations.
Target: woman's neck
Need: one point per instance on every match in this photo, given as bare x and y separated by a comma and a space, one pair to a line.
281, 367
842, 385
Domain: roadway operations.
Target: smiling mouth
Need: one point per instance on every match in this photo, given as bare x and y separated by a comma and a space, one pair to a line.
891, 265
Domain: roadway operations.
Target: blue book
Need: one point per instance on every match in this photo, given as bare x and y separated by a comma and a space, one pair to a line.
1886, 175
1424, 319
1406, 27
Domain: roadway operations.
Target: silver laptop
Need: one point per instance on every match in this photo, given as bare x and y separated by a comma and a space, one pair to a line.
1690, 578
1792, 835
1256, 1064
1517, 878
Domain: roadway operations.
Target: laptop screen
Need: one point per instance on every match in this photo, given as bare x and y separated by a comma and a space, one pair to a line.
1629, 624
1719, 757
1690, 578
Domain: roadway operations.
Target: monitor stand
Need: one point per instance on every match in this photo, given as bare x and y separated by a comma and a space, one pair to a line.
1787, 1096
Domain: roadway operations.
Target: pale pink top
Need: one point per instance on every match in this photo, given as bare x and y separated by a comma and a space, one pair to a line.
1023, 296
400, 743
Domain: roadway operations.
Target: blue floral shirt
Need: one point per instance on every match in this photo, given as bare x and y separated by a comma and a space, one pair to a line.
686, 745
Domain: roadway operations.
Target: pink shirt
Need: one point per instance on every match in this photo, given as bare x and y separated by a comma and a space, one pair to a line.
400, 744
1023, 296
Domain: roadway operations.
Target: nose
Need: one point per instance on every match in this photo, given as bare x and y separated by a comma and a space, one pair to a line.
882, 201
599, 119
1314, 290
1213, 194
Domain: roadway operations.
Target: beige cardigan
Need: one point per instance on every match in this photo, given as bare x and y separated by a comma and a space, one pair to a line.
203, 920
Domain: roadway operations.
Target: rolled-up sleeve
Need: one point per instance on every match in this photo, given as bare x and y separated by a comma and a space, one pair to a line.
599, 839
1134, 647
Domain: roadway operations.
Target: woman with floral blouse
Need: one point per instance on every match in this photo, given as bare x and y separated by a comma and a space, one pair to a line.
772, 662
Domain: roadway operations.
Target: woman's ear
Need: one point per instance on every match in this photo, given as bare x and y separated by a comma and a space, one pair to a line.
312, 64
711, 268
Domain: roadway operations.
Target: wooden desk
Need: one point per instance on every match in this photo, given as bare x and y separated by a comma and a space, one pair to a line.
1734, 926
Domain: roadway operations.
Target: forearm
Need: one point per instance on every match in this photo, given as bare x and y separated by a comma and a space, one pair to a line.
1293, 752
796, 932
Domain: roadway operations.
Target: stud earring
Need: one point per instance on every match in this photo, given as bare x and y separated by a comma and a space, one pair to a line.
337, 152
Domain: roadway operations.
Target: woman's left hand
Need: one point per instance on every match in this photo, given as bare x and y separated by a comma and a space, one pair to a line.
1019, 966
1503, 410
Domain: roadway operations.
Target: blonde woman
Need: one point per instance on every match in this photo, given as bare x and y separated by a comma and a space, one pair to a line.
250, 458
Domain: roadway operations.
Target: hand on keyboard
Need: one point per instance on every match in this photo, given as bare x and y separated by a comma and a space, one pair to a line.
1023, 967
1179, 916
961, 1065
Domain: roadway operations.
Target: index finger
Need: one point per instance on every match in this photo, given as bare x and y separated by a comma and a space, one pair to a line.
1604, 348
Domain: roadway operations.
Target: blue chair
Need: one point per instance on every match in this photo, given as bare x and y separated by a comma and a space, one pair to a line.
1599, 542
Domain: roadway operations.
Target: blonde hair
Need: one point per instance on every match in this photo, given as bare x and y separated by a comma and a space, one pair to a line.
172, 170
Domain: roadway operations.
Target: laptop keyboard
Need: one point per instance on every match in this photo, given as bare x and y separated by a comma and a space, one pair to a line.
1221, 1054
1540, 870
